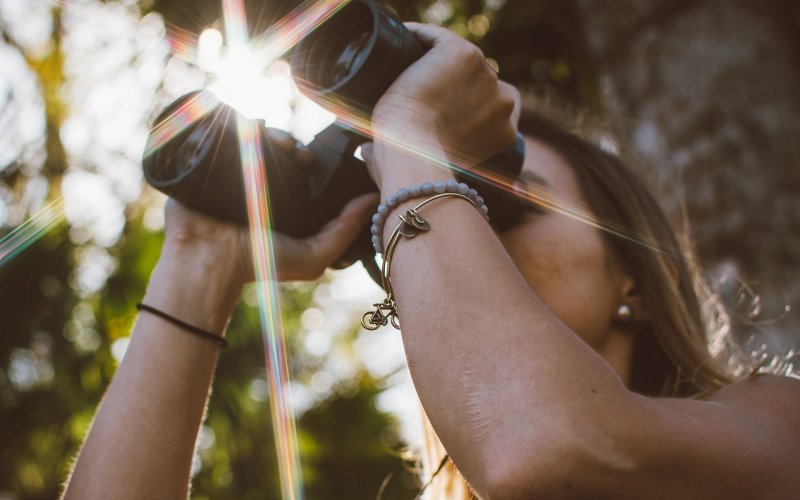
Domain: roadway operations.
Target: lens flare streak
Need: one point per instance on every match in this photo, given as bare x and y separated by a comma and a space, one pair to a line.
235, 22
266, 49
29, 232
288, 32
359, 121
272, 329
182, 43
184, 116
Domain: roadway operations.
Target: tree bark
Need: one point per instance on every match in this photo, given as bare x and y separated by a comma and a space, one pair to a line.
706, 94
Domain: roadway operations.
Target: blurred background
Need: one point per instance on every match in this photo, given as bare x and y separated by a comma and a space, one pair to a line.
701, 95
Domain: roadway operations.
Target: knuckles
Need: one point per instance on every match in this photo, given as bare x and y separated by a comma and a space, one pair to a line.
507, 104
473, 55
308, 265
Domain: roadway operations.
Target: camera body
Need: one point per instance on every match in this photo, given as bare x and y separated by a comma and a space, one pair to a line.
355, 56
201, 167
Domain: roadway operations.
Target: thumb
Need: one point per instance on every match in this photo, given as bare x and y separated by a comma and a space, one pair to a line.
430, 34
366, 152
334, 238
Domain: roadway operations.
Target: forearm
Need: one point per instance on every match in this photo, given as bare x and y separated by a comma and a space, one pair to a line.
142, 439
491, 362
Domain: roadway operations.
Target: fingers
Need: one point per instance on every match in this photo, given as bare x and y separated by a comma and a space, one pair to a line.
433, 35
315, 254
329, 244
366, 152
437, 36
430, 34
284, 141
514, 94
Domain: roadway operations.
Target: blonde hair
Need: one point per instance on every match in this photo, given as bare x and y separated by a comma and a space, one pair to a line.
442, 480
687, 350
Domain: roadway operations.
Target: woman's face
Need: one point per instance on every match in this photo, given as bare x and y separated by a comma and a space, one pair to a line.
565, 261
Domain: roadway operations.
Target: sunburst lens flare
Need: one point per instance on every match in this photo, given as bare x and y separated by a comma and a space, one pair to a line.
235, 19
241, 84
182, 44
288, 32
272, 329
186, 114
256, 194
31, 231
239, 66
209, 49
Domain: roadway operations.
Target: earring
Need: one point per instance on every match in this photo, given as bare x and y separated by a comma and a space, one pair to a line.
624, 313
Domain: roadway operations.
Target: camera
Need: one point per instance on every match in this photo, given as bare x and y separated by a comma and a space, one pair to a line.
355, 56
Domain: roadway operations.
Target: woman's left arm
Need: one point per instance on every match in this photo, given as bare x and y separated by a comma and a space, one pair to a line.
523, 406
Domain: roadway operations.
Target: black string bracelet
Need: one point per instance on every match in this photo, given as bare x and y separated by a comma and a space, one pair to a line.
186, 326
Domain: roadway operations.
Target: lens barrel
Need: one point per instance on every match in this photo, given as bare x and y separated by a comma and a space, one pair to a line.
200, 166
356, 55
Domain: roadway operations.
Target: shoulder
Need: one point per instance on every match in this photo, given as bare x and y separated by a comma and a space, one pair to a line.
772, 399
761, 390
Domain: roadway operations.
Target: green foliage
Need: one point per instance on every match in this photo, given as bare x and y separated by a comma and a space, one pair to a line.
355, 458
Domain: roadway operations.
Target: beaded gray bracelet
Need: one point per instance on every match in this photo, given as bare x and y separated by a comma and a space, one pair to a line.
416, 191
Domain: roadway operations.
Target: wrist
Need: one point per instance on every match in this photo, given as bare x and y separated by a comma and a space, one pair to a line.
398, 168
196, 284
408, 117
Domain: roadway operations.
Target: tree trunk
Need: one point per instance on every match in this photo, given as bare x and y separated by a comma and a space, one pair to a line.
707, 95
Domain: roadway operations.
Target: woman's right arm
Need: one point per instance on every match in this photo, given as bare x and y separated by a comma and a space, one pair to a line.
142, 439
524, 407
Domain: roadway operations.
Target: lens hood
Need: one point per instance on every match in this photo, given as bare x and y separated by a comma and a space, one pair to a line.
356, 55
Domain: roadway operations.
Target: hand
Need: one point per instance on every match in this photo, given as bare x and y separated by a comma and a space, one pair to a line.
229, 244
450, 96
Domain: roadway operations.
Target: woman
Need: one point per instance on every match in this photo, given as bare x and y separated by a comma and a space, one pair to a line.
658, 342
522, 347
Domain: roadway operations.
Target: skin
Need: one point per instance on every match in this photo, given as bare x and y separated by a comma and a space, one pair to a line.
532, 401
142, 438
570, 267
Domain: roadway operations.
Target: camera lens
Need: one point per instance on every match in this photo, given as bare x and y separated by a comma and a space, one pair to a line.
178, 156
336, 56
183, 155
355, 55
351, 57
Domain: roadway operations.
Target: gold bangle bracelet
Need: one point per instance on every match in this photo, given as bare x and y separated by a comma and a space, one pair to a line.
411, 224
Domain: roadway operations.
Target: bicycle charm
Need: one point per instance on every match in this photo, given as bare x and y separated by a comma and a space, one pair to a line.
383, 314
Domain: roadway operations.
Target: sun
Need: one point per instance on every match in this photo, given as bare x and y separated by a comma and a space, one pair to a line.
242, 80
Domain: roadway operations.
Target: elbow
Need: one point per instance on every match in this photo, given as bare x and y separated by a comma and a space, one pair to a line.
508, 485
546, 476
573, 465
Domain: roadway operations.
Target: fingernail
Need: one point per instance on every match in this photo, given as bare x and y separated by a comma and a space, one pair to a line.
366, 151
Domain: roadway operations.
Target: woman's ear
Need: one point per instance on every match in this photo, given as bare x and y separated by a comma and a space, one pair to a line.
632, 308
